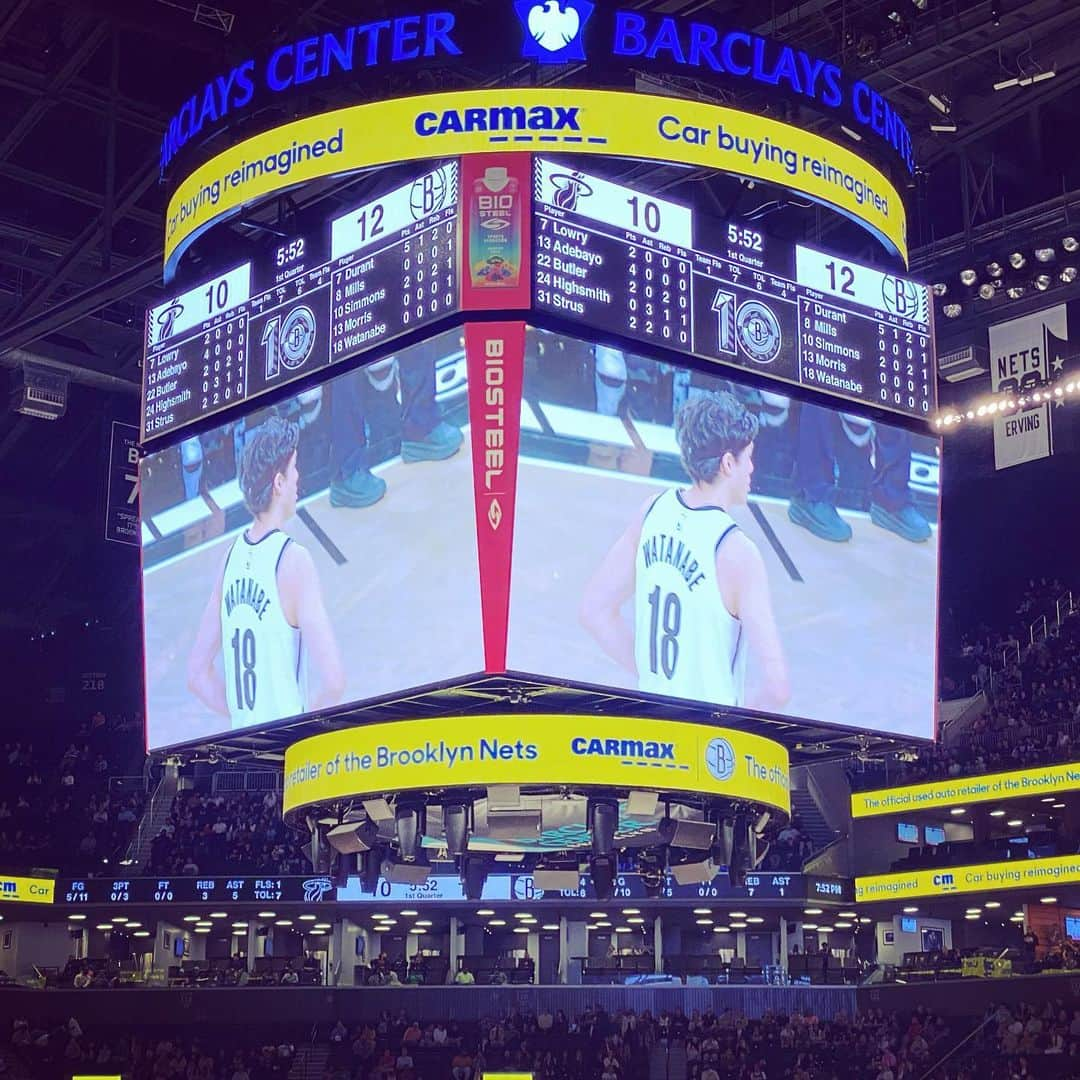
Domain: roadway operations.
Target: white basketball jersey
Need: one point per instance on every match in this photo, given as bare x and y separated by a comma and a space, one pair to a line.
686, 642
265, 669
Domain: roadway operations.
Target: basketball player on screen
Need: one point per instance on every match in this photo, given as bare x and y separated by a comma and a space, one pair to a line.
701, 596
265, 618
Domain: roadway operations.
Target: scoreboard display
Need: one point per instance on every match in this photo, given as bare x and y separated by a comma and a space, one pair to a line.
318, 889
369, 275
618, 259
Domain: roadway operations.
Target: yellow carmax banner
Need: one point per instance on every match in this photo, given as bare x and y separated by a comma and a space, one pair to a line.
1049, 780
609, 122
538, 749
27, 890
986, 877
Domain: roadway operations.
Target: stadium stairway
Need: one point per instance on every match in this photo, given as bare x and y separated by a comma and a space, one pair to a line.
667, 1062
153, 820
813, 821
11, 1068
310, 1063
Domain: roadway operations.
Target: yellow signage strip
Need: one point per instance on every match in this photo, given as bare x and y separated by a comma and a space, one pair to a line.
540, 750
992, 787
984, 878
27, 890
607, 122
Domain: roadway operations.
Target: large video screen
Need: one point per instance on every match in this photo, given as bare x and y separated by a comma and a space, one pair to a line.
313, 554
681, 534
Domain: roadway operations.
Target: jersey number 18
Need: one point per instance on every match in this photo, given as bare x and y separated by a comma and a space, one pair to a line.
664, 632
244, 668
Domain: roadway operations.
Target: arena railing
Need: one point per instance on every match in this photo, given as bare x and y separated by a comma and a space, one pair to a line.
247, 780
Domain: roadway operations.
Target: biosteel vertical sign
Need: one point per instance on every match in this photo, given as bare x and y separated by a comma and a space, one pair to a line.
497, 201
495, 361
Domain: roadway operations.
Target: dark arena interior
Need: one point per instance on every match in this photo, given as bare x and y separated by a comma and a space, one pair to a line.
514, 568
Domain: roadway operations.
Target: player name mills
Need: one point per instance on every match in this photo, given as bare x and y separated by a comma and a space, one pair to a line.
825, 359
163, 380
354, 321
571, 261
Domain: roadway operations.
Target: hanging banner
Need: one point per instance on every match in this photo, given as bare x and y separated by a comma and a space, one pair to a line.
646, 127
497, 203
495, 360
1026, 353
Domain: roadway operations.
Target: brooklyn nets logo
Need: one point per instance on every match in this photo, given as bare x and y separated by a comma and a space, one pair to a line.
904, 298
720, 760
758, 332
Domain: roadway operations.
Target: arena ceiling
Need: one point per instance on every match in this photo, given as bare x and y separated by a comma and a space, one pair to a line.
89, 85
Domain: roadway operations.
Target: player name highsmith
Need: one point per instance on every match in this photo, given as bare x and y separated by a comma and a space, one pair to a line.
249, 592
165, 404
661, 548
586, 292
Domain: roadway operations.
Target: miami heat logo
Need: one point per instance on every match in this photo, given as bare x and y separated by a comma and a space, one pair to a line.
166, 320
570, 188
316, 888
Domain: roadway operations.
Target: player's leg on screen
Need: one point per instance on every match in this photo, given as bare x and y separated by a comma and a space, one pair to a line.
890, 499
353, 483
425, 435
813, 505
191, 461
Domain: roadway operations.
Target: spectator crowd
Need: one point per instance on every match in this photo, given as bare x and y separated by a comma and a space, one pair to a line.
235, 833
61, 802
1032, 711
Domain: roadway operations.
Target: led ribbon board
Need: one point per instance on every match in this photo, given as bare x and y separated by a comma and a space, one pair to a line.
1050, 780
539, 750
604, 122
27, 890
1015, 874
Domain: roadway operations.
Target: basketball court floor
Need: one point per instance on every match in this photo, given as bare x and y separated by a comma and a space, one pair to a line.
856, 619
400, 582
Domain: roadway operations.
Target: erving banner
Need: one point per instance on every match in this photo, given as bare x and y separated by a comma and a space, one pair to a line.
495, 361
1025, 353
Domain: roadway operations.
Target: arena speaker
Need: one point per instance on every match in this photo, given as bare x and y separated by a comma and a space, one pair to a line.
318, 849
602, 871
743, 842
693, 873
557, 874
456, 826
474, 872
353, 837
345, 867
370, 865
650, 865
512, 824
406, 873
603, 824
698, 835
409, 827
